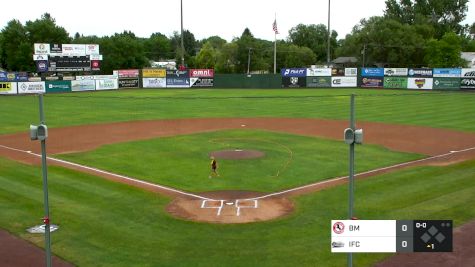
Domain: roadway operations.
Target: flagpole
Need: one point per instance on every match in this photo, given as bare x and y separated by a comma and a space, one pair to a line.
275, 45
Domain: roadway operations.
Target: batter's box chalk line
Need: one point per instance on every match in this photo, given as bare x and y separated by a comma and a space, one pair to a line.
238, 204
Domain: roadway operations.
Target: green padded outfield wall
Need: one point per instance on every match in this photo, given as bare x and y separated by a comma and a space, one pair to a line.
255, 81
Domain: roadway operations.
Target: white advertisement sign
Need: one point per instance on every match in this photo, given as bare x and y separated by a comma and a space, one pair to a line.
31, 87
83, 85
319, 72
154, 82
8, 88
468, 73
107, 84
344, 81
395, 71
351, 72
40, 57
420, 83
100, 77
74, 49
42, 49
92, 49
95, 57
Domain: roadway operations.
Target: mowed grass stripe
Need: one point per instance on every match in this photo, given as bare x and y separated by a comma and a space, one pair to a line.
434, 109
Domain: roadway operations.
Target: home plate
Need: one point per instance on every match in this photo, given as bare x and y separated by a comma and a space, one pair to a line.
243, 125
229, 203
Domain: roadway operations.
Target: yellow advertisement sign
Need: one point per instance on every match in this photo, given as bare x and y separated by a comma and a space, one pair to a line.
154, 73
5, 87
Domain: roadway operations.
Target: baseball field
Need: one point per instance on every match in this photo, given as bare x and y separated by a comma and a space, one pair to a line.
129, 174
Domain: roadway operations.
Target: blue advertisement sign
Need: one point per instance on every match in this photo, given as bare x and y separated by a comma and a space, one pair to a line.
372, 82
178, 82
372, 72
445, 72
420, 72
21, 77
3, 76
294, 72
41, 65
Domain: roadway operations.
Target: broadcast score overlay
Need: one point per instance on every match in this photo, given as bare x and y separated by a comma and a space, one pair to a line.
391, 236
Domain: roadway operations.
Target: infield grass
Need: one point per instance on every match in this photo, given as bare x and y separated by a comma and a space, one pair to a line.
103, 223
183, 161
453, 110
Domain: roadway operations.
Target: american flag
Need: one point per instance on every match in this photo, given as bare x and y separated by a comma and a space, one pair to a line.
274, 27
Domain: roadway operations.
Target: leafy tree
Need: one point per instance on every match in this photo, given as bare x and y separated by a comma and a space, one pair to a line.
227, 58
293, 56
45, 30
190, 44
158, 47
206, 58
16, 49
122, 51
444, 52
258, 50
215, 41
314, 37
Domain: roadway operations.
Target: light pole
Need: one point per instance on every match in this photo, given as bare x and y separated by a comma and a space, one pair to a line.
328, 43
249, 62
182, 44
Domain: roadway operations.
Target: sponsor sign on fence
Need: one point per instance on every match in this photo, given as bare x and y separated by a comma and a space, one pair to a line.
129, 83
344, 81
470, 73
202, 73
395, 82
353, 72
467, 83
446, 83
8, 88
92, 49
83, 85
202, 82
372, 72
178, 78
107, 84
41, 49
372, 82
154, 82
31, 87
294, 82
338, 72
294, 72
420, 73
74, 49
395, 71
128, 73
319, 82
420, 83
41, 65
58, 86
319, 72
449, 73
56, 49
154, 73
3, 76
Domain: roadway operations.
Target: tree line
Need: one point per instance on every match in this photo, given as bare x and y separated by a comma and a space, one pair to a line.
411, 33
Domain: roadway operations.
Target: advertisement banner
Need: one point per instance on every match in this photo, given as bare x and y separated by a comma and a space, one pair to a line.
467, 83
446, 83
16, 76
351, 72
74, 49
338, 72
420, 73
95, 57
175, 82
293, 72
41, 49
154, 82
202, 82
56, 48
95, 65
34, 79
325, 72
58, 86
202, 73
449, 73
128, 73
3, 76
319, 82
373, 82
395, 82
7, 88
420, 83
92, 49
372, 72
344, 81
468, 73
31, 87
41, 65
40, 57
107, 84
129, 83
83, 85
294, 82
395, 71
154, 73
99, 77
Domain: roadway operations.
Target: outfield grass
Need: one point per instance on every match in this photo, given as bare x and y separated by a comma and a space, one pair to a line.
436, 109
103, 223
183, 161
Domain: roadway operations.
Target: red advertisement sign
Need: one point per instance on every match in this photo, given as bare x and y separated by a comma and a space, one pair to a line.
128, 73
202, 73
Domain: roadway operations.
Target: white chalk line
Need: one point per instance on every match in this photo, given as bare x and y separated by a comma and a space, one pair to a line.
235, 204
246, 199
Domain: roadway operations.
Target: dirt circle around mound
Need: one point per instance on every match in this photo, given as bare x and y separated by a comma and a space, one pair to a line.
230, 207
237, 154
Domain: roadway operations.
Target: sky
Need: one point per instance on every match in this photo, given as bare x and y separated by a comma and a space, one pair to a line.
204, 18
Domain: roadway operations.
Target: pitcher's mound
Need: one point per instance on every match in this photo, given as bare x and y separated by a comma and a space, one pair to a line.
237, 154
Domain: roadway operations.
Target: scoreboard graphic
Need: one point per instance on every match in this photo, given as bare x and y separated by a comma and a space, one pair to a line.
391, 236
